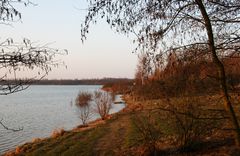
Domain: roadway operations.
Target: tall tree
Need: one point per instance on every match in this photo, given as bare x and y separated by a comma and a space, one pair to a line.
162, 26
143, 68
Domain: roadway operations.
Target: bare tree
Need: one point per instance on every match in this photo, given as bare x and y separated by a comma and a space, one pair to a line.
83, 104
143, 68
103, 102
166, 25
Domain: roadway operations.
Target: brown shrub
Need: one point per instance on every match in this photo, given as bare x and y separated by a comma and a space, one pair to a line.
83, 105
83, 99
192, 123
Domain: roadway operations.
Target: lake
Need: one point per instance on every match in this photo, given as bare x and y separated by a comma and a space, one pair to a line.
39, 110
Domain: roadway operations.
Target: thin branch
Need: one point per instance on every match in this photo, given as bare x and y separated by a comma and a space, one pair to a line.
10, 129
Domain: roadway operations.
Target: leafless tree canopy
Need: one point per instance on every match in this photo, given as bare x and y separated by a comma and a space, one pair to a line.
161, 26
103, 102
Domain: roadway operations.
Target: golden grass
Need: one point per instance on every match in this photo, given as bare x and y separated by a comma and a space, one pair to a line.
57, 133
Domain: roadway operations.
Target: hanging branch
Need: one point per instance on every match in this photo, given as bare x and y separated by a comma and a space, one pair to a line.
26, 56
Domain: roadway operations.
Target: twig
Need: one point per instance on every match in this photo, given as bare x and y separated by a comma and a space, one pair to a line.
10, 129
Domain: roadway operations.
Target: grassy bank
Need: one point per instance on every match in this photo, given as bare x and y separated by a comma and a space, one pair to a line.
125, 133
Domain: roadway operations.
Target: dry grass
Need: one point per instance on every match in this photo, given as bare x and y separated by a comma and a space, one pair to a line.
35, 140
57, 133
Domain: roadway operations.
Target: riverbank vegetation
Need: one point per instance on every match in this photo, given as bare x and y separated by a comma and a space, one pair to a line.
178, 126
99, 102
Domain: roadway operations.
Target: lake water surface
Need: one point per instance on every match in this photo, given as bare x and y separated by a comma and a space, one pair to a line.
40, 110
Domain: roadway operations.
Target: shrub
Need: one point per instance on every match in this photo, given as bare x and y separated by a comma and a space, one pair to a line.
192, 123
103, 102
83, 104
83, 99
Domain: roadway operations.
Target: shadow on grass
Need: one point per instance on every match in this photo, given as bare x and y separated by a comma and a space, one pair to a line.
199, 148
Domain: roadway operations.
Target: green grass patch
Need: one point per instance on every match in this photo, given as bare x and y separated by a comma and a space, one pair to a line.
72, 143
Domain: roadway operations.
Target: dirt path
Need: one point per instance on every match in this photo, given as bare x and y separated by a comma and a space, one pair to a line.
113, 142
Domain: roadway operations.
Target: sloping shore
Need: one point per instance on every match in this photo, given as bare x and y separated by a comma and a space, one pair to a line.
119, 136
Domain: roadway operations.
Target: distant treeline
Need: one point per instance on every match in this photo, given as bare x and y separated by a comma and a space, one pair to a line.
80, 82
103, 81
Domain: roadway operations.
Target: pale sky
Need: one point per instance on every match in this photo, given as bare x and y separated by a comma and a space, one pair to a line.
104, 53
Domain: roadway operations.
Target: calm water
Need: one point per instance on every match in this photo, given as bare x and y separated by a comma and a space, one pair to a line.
40, 110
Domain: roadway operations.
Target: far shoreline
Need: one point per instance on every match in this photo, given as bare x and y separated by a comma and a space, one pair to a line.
102, 81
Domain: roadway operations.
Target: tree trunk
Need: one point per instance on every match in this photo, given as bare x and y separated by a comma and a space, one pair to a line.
221, 70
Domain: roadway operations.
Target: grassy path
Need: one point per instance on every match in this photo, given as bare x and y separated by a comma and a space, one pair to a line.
112, 142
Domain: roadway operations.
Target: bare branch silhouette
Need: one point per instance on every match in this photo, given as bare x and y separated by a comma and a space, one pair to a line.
9, 129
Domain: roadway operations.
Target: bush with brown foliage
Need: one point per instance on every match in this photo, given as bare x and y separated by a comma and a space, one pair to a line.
83, 104
83, 99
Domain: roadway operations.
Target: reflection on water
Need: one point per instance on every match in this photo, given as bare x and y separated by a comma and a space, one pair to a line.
40, 110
